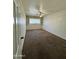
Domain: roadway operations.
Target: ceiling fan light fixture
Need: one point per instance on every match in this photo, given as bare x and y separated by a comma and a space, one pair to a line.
40, 16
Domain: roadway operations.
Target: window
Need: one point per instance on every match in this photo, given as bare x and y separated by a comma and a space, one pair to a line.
34, 21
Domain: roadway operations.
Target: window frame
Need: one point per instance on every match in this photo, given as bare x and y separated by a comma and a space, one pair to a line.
35, 18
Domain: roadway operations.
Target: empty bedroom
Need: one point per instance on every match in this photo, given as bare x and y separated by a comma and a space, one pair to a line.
41, 28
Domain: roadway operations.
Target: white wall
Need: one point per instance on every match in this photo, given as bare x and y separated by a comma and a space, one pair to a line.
56, 23
33, 26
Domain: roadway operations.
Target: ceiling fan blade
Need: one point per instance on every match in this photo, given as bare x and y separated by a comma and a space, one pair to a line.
39, 8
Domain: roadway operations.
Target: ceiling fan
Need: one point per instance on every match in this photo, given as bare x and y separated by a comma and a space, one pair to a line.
41, 11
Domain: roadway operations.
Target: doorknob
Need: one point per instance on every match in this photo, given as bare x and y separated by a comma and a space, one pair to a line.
22, 37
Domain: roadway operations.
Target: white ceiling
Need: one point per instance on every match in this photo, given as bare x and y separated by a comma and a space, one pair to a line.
48, 6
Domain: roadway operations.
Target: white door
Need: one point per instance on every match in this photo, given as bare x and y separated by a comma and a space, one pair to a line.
16, 30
